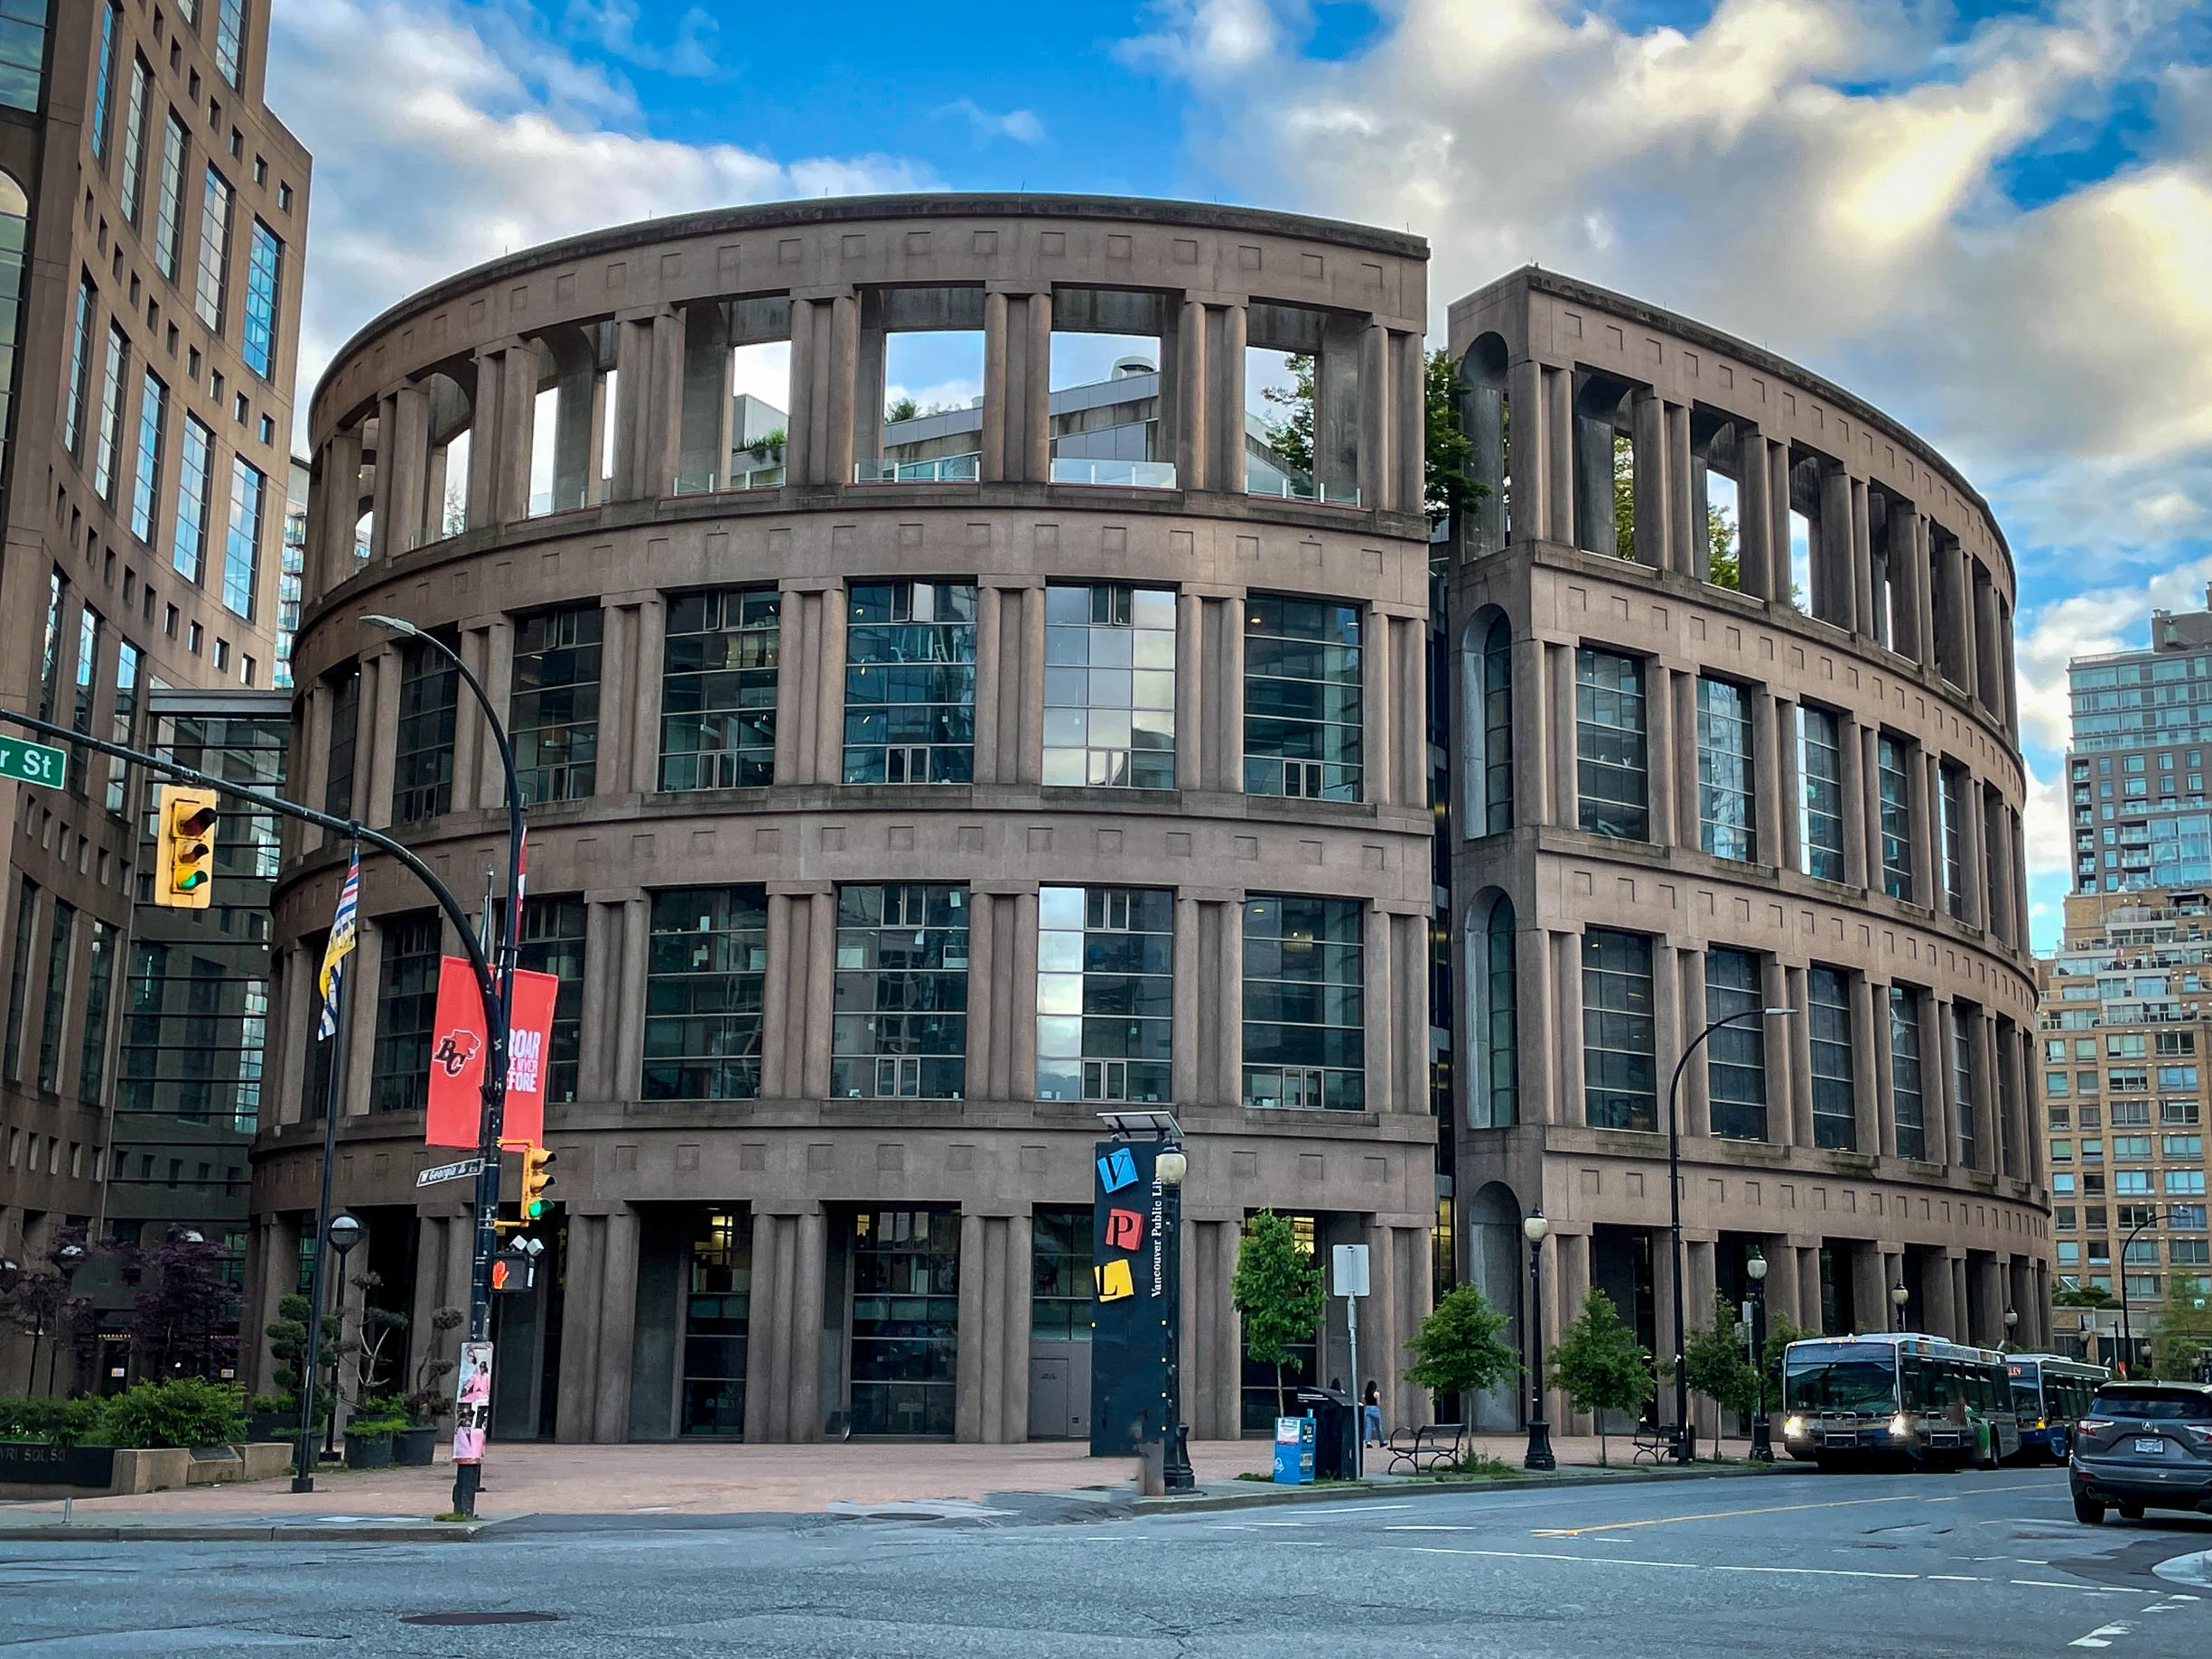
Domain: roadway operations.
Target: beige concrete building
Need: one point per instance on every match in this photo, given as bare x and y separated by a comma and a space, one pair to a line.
153, 213
1701, 771
887, 825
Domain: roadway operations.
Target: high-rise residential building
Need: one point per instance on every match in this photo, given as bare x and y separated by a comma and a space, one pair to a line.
2135, 770
152, 215
295, 561
2126, 1062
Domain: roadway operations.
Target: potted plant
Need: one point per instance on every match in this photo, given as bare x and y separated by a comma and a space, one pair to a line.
273, 1417
369, 1436
430, 1399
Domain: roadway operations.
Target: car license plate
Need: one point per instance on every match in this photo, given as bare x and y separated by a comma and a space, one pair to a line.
2150, 1446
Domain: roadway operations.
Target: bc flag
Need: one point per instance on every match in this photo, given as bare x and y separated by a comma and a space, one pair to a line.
345, 927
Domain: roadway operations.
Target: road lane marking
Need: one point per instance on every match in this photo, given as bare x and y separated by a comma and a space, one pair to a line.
2098, 1638
1954, 1578
1808, 1572
1718, 1514
1414, 1526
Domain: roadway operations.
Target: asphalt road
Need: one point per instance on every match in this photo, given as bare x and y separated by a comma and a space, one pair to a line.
1794, 1564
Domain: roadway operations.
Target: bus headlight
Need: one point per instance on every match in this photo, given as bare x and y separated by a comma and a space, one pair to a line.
1793, 1428
1900, 1425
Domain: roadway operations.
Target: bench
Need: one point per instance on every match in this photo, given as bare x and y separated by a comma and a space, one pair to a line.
1652, 1442
1422, 1449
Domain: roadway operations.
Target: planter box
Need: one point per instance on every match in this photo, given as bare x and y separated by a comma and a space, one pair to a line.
34, 1463
414, 1449
368, 1451
271, 1426
30, 1472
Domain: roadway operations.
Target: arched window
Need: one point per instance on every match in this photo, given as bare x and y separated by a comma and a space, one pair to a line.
1497, 728
14, 226
1493, 1016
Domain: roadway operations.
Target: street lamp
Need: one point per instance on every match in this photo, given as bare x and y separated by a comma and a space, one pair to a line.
1539, 1431
1170, 1165
343, 1232
2127, 1321
1898, 1296
1762, 1443
2011, 1325
1684, 1440
499, 1016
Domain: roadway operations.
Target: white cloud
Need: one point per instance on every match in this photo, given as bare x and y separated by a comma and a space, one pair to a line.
445, 138
1021, 125
613, 26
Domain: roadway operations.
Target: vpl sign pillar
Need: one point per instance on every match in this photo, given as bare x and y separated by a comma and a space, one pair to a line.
1137, 1259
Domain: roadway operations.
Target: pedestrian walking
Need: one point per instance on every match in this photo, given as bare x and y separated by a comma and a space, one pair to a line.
1371, 1415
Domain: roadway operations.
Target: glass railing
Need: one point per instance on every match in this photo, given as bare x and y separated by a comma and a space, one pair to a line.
1260, 482
546, 501
944, 469
1137, 474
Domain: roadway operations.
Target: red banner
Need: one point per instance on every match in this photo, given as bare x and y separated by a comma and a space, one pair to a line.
457, 1047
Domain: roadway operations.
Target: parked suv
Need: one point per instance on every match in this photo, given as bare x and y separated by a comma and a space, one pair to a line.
2142, 1446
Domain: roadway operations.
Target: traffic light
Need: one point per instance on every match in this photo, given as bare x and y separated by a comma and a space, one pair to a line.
537, 1161
184, 860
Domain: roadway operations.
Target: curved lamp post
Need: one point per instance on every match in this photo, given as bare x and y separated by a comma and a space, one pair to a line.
467, 1476
1539, 1431
1682, 1451
1762, 1442
2127, 1318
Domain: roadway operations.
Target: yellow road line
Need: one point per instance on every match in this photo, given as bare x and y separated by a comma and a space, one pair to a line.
1723, 1514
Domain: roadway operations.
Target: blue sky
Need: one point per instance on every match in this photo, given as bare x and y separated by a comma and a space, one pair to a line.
1993, 220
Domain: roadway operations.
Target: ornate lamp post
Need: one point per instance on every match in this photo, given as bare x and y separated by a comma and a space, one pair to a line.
1898, 1296
1762, 1443
1539, 1431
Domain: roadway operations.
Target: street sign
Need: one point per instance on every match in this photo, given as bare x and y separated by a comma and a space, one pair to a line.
449, 1172
33, 762
1348, 1270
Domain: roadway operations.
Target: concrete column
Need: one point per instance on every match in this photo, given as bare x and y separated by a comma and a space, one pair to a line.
1774, 987
1184, 381
629, 999
1935, 1081
1778, 531
1559, 450
1685, 535
382, 544
1671, 1022
1870, 1291
811, 1286
597, 1066
1530, 463
1808, 1255
1754, 520
330, 559
1536, 1022
1378, 769
584, 1283
1785, 1294
1184, 1038
1867, 1046
1800, 1061
1566, 954
1661, 752
1983, 1034
1866, 622
1381, 1073
1857, 766
510, 460
1653, 518
820, 968
1697, 1079
1535, 753
1973, 846
617, 1327
1766, 799
1228, 1011
1570, 1270
1566, 804
829, 694
706, 404
992, 466
1701, 1286
358, 1032
769, 1332
1788, 785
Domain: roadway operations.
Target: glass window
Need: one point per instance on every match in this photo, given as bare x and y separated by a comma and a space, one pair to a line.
1501, 1017
1820, 768
242, 544
1302, 698
80, 352
1952, 810
704, 993
123, 724
99, 992
23, 55
213, 290
909, 683
1109, 686
553, 712
1725, 814
423, 757
1060, 1260
231, 38
110, 443
407, 1014
1619, 1077
1611, 762
146, 485
135, 138
552, 942
2181, 1146
103, 82
1907, 1106
89, 631
345, 694
1735, 1055
196, 471
1891, 761
60, 934
1305, 1003
1105, 993
2187, 1183
1835, 1119
899, 1028
169, 211
264, 264
718, 689
1497, 728
1962, 1114
19, 973
716, 1314
2176, 1078
906, 1320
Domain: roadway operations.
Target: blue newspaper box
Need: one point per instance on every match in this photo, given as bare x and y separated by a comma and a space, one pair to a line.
1293, 1451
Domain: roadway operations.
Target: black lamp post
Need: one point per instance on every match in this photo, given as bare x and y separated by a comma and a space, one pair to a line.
1539, 1431
1898, 1296
1762, 1443
343, 1232
2127, 1320
1170, 1165
1684, 1434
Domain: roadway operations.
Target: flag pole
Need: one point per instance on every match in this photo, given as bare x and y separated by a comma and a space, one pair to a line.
311, 1361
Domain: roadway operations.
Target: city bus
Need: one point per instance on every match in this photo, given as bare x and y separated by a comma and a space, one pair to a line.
2049, 1391
1897, 1399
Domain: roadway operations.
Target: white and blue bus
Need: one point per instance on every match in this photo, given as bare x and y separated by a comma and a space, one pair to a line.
2049, 1391
1897, 1399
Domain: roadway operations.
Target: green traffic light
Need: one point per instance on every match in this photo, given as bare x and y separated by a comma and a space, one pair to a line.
189, 880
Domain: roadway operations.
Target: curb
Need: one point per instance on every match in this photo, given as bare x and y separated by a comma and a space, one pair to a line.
1265, 1496
416, 1532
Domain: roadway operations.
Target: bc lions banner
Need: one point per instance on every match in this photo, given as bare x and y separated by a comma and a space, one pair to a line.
1133, 1260
457, 1044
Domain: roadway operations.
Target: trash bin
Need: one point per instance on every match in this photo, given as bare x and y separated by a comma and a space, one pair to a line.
1335, 1432
1293, 1451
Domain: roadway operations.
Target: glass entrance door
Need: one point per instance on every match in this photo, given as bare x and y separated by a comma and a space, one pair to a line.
715, 1321
906, 1320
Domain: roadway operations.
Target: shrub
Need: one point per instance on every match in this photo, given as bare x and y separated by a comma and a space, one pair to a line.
54, 1422
378, 1414
186, 1410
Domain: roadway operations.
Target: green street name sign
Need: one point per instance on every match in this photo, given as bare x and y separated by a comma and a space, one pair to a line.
33, 762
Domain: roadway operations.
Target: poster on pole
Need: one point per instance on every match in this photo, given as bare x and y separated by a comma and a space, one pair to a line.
457, 1045
472, 1402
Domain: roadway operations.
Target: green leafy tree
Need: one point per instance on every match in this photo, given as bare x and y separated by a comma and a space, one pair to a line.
2084, 1296
1292, 437
1446, 450
288, 1335
1277, 1289
1599, 1364
1457, 1349
2182, 1336
1714, 1360
1781, 1331
1723, 565
1624, 496
901, 408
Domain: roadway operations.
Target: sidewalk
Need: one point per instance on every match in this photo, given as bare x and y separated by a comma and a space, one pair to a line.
715, 1479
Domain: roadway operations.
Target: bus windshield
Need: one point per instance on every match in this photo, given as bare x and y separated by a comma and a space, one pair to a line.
1865, 1385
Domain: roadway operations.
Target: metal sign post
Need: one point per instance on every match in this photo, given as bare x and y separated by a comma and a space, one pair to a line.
1347, 1273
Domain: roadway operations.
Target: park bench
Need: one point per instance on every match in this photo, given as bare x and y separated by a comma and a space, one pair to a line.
1652, 1441
1422, 1450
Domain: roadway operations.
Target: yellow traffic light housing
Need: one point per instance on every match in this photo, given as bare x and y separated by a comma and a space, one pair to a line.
537, 1163
184, 848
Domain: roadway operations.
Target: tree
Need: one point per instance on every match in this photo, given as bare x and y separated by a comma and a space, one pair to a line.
40, 1306
1292, 437
383, 1332
2084, 1296
1781, 1331
185, 1321
1725, 567
901, 408
1599, 1364
1277, 1289
1446, 450
288, 1335
430, 1399
2182, 1336
1714, 1361
1457, 1350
